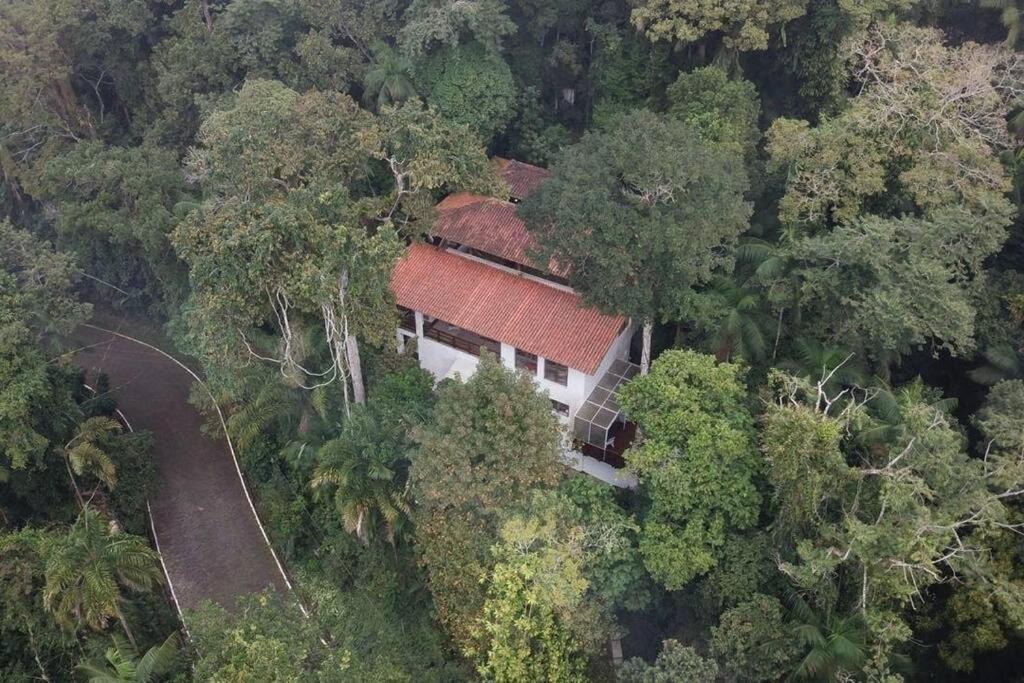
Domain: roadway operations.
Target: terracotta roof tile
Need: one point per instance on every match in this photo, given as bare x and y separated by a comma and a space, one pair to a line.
522, 179
514, 309
484, 223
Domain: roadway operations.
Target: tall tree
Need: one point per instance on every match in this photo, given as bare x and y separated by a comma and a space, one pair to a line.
638, 214
493, 439
696, 462
87, 568
743, 25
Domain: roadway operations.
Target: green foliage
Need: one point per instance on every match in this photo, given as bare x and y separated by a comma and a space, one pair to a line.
620, 209
744, 25
87, 568
892, 284
29, 637
676, 662
388, 80
447, 23
363, 468
471, 86
724, 111
492, 440
830, 644
124, 665
804, 465
266, 639
696, 463
751, 641
114, 208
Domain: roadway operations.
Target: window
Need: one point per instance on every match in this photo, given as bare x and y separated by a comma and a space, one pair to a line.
556, 372
526, 361
560, 408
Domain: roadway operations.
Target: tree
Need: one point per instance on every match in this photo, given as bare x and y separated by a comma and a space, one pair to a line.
696, 462
82, 453
124, 665
492, 440
676, 662
471, 86
743, 25
833, 644
752, 642
724, 111
447, 23
890, 151
266, 638
893, 284
33, 644
636, 226
363, 467
36, 305
278, 238
114, 208
86, 569
388, 80
925, 512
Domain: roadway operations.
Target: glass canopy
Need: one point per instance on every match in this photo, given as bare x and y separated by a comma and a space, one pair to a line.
596, 416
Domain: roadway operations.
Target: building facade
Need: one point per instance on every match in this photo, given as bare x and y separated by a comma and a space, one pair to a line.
472, 288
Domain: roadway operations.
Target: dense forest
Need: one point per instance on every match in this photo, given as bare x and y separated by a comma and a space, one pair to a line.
810, 209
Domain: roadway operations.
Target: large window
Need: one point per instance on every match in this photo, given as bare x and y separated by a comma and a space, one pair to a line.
526, 361
556, 372
456, 337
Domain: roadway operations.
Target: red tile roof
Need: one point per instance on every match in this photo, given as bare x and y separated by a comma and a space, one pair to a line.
522, 179
514, 309
483, 223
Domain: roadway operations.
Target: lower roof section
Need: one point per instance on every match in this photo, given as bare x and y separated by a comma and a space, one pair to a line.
509, 308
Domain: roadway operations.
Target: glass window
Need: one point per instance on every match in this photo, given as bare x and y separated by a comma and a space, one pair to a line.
556, 372
526, 361
559, 407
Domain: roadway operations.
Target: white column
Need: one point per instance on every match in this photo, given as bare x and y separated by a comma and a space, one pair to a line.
419, 324
508, 355
540, 366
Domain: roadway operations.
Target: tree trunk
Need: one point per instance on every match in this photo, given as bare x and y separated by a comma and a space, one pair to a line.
207, 19
355, 369
124, 625
645, 352
74, 484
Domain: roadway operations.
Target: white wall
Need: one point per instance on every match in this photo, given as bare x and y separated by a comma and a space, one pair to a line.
438, 359
618, 349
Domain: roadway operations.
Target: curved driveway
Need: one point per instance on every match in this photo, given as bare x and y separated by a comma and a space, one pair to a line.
209, 537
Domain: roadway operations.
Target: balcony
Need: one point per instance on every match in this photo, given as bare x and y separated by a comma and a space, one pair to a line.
458, 338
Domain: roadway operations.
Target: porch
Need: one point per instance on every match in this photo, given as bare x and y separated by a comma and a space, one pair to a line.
600, 430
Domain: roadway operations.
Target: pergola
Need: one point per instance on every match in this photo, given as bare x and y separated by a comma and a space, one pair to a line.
601, 410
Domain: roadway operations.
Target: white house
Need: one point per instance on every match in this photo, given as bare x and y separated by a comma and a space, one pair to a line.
472, 287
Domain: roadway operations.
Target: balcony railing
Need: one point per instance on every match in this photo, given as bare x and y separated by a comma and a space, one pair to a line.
458, 338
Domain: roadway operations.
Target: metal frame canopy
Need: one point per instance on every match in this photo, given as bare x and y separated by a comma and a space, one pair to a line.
601, 409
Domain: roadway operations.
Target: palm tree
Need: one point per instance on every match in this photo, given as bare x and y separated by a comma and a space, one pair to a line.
86, 569
831, 643
361, 466
888, 408
742, 330
388, 79
814, 360
123, 664
82, 455
1002, 361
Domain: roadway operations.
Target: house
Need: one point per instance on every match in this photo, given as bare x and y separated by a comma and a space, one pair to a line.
472, 286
